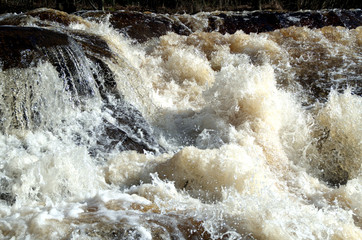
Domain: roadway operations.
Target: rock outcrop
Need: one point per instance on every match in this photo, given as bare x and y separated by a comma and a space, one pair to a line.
26, 47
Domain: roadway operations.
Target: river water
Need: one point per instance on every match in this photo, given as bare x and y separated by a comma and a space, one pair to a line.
194, 134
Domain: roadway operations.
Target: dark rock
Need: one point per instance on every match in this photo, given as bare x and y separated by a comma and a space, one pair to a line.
42, 17
23, 47
140, 26
311, 20
93, 46
13, 19
265, 21
55, 16
144, 26
129, 132
256, 22
331, 19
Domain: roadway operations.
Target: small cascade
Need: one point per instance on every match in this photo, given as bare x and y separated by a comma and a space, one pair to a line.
50, 78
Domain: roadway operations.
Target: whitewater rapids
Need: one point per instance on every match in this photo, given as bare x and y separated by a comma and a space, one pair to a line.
261, 138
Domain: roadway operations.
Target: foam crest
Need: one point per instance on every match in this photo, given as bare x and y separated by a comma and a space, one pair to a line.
341, 147
41, 169
209, 171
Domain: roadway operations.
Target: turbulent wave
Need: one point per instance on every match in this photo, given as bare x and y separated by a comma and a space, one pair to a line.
199, 134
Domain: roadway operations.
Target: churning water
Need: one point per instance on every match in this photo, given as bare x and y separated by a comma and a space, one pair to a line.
181, 136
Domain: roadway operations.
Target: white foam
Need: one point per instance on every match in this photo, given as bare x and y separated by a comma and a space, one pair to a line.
245, 158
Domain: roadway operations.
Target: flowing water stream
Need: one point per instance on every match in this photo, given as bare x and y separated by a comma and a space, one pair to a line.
196, 130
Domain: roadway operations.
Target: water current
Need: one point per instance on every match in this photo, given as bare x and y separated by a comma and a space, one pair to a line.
180, 126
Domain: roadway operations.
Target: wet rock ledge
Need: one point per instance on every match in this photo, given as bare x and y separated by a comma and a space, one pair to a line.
143, 26
24, 47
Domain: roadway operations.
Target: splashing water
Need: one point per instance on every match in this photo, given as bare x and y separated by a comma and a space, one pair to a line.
197, 136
